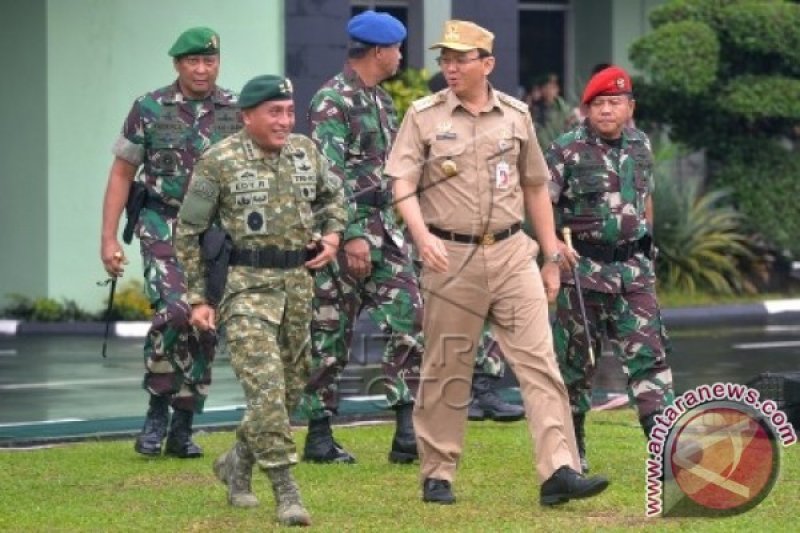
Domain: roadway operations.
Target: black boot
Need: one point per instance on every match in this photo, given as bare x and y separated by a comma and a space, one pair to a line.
179, 439
579, 421
320, 446
483, 390
155, 427
648, 423
475, 413
404, 444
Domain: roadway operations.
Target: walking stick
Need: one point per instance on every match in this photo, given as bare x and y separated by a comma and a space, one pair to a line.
113, 281
575, 276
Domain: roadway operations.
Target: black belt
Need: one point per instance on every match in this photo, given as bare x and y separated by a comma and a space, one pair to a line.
373, 198
608, 253
269, 257
485, 239
154, 204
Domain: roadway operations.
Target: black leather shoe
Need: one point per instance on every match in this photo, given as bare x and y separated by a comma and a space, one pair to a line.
437, 491
566, 484
179, 439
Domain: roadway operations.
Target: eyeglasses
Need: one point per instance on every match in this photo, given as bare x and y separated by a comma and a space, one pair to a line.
458, 61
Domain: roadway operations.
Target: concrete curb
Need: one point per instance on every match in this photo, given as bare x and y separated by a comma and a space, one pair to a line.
707, 316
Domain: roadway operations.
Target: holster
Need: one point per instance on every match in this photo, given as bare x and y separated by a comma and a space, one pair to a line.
137, 195
215, 248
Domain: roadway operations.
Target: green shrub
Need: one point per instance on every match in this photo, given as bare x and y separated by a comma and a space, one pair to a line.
762, 97
766, 33
406, 87
44, 310
682, 56
700, 237
130, 302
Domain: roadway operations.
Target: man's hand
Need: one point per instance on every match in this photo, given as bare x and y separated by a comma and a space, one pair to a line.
203, 317
551, 278
330, 245
113, 258
358, 261
570, 256
432, 252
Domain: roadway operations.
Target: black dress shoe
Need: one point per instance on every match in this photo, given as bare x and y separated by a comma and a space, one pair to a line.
566, 484
437, 491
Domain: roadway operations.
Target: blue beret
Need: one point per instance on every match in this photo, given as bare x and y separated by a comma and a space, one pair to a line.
376, 28
265, 88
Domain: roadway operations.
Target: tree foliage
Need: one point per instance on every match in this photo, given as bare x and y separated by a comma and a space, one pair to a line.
724, 75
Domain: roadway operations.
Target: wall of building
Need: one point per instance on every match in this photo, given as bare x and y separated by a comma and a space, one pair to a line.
23, 150
100, 56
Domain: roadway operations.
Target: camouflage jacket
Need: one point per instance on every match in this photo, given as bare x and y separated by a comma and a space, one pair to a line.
166, 133
600, 192
259, 201
354, 127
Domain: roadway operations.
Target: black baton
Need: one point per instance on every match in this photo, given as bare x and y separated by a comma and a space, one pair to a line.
113, 281
575, 276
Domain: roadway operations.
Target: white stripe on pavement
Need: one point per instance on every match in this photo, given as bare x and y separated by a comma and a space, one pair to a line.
766, 345
55, 421
62, 384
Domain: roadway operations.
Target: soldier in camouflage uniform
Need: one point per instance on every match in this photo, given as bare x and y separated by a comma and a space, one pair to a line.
272, 192
602, 184
165, 132
353, 121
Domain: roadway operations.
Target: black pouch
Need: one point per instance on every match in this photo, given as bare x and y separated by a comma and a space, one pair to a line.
137, 196
215, 248
647, 247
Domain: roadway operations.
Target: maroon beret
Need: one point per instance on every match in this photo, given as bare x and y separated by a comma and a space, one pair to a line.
611, 80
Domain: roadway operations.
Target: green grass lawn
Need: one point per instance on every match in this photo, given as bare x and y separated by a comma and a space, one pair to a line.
106, 486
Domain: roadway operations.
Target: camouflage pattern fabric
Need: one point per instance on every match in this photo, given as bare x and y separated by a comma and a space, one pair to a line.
354, 127
264, 315
489, 359
166, 134
600, 191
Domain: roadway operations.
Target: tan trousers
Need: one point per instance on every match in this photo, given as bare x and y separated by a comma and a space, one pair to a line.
501, 281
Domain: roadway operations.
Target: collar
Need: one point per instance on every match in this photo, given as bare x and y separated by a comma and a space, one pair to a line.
587, 133
452, 101
352, 78
218, 96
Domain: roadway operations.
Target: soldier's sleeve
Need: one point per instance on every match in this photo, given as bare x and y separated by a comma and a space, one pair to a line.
130, 143
331, 133
330, 207
198, 209
651, 181
532, 168
554, 156
408, 152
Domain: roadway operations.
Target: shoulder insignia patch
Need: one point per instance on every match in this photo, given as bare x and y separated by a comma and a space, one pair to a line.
428, 101
520, 106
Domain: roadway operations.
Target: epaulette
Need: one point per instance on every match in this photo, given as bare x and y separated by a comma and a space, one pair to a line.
428, 101
519, 105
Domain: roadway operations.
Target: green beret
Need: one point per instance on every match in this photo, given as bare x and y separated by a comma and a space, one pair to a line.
265, 88
196, 41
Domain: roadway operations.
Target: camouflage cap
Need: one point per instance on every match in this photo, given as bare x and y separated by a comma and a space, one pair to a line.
196, 41
265, 88
463, 35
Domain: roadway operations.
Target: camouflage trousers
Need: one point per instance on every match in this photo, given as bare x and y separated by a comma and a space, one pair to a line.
390, 296
632, 323
271, 363
177, 361
489, 360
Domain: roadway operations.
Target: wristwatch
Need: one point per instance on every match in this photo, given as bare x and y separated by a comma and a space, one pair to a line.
555, 257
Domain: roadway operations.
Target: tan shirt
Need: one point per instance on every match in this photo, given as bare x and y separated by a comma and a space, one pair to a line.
495, 154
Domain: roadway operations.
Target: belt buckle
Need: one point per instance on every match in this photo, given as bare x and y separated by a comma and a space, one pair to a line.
487, 239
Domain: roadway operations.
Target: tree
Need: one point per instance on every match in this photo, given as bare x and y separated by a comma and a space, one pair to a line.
724, 75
